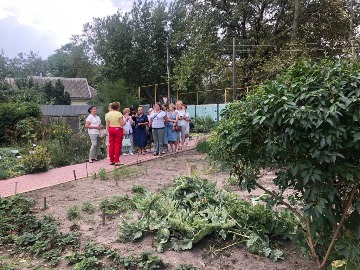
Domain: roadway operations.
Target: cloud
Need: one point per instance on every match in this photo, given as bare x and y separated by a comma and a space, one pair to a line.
39, 24
21, 38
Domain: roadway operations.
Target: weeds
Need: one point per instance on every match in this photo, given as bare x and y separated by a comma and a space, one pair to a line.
116, 205
102, 174
73, 212
88, 208
185, 266
138, 189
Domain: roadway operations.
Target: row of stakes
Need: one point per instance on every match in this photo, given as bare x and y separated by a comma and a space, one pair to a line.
103, 214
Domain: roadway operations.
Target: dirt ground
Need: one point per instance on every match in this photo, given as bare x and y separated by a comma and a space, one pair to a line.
155, 175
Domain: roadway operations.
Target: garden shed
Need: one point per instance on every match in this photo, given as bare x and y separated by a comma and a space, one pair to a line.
66, 114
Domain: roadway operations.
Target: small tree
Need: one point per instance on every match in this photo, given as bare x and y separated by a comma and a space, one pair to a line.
305, 126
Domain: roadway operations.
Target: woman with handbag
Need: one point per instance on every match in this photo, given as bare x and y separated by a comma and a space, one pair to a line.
93, 124
171, 128
187, 129
181, 123
157, 121
128, 132
115, 123
107, 133
141, 123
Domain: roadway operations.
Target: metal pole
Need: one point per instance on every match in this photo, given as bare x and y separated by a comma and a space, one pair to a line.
234, 71
155, 93
225, 96
168, 70
352, 43
139, 92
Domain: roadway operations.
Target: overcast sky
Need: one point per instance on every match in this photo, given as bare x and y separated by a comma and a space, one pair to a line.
43, 26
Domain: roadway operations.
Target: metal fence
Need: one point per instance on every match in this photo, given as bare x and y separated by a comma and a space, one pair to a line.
212, 110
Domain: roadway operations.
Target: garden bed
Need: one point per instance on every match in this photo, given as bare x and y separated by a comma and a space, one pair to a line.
153, 176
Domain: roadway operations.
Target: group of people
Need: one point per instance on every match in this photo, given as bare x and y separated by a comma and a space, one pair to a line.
166, 127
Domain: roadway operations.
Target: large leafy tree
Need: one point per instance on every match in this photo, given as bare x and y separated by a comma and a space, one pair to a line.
72, 60
305, 126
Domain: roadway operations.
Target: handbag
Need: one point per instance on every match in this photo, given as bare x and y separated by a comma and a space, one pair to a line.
177, 128
126, 142
102, 133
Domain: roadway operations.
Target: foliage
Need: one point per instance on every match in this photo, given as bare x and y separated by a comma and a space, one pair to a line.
138, 189
42, 238
185, 266
55, 94
11, 114
10, 165
68, 149
203, 147
111, 91
192, 208
29, 130
116, 205
304, 125
58, 132
102, 174
73, 212
88, 208
93, 256
204, 124
38, 160
129, 172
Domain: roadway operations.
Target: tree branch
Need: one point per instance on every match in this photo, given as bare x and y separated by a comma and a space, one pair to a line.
340, 225
281, 200
311, 245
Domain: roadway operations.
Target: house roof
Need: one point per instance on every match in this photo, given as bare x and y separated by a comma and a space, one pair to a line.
76, 87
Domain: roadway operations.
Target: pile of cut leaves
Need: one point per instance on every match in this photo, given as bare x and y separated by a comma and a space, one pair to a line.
192, 208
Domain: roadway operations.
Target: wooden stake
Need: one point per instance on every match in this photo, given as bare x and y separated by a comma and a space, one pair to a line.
44, 204
103, 216
16, 187
74, 174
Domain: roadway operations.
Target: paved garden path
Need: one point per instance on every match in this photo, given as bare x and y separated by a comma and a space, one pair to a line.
30, 182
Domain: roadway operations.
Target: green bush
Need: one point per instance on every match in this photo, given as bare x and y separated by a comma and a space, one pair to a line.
204, 124
11, 114
305, 126
74, 150
88, 208
9, 164
73, 212
3, 174
38, 160
203, 147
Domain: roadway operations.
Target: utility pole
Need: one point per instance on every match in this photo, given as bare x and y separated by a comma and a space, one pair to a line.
351, 36
168, 69
295, 27
234, 71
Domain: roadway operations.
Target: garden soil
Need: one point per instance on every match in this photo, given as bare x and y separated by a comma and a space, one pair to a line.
154, 175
